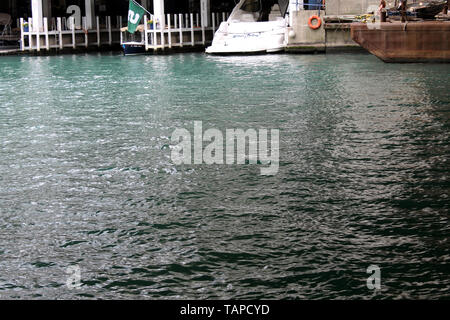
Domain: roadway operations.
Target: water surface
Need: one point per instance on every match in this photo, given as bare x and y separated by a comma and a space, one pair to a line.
86, 178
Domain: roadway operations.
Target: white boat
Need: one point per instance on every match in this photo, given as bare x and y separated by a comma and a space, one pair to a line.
254, 26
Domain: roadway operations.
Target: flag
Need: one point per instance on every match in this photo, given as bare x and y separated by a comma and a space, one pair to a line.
135, 14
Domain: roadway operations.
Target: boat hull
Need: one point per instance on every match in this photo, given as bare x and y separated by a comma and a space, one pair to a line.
241, 51
249, 38
130, 49
411, 42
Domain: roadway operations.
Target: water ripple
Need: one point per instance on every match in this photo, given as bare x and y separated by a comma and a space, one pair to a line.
87, 178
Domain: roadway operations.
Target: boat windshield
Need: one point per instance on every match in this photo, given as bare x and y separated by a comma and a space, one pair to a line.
259, 10
251, 6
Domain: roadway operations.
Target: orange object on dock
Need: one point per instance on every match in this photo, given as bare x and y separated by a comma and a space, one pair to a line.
317, 25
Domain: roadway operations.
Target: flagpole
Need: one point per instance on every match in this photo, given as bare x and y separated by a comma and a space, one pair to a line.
142, 7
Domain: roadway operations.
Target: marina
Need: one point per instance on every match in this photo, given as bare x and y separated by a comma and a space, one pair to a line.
248, 26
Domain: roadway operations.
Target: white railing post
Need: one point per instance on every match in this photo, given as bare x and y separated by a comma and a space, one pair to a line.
30, 34
120, 30
108, 19
38, 39
203, 22
22, 36
169, 33
86, 35
180, 18
213, 23
47, 44
155, 35
72, 26
163, 38
175, 20
98, 31
192, 30
59, 26
145, 32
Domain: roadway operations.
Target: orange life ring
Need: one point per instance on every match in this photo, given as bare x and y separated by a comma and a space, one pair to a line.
314, 26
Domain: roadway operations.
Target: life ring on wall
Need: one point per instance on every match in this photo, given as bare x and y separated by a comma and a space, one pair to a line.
314, 26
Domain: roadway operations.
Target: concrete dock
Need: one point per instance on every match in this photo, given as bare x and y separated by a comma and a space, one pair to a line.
333, 34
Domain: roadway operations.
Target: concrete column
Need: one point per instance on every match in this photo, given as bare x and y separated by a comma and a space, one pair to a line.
36, 12
205, 11
158, 8
90, 13
47, 8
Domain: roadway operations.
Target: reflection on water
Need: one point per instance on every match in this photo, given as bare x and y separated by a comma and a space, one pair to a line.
86, 178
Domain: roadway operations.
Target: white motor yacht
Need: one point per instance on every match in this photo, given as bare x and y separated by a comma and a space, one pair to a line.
254, 26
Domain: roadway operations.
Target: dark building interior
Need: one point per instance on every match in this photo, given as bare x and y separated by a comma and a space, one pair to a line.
22, 8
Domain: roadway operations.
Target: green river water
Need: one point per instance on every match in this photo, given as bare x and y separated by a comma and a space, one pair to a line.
87, 180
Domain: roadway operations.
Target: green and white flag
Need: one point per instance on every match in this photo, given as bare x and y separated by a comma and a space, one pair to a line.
135, 14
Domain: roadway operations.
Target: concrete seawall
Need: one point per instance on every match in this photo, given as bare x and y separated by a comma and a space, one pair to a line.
331, 35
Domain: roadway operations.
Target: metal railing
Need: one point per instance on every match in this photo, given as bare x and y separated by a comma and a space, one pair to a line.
309, 5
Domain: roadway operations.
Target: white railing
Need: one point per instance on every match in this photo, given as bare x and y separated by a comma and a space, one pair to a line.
60, 33
180, 30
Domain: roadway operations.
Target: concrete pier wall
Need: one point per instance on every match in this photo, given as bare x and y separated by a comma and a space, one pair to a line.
330, 36
347, 7
303, 39
338, 38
